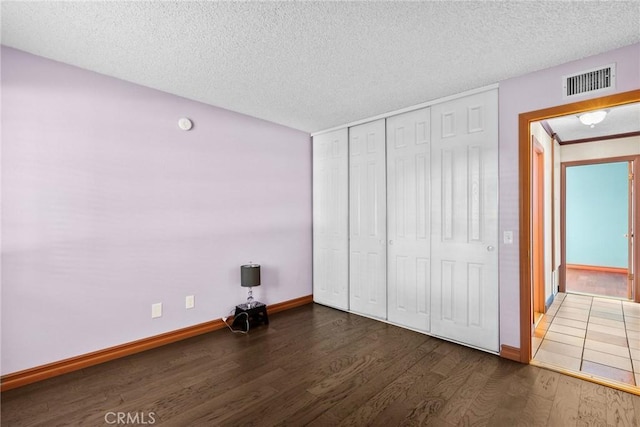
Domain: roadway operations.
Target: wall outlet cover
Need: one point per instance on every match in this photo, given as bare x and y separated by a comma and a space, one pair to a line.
156, 310
189, 301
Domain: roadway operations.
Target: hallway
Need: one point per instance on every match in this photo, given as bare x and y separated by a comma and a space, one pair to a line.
589, 335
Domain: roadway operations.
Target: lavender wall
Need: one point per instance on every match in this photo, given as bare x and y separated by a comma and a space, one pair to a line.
529, 93
108, 207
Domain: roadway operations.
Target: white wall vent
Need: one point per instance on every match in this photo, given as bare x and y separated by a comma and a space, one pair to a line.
589, 81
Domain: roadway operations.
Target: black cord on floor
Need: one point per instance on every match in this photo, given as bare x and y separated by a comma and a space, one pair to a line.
238, 331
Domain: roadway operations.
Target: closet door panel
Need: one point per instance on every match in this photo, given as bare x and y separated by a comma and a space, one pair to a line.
367, 213
330, 219
408, 209
464, 220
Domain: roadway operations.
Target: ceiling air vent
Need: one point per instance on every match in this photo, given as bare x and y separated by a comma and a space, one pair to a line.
590, 81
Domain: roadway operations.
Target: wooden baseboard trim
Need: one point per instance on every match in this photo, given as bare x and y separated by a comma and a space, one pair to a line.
619, 270
50, 370
511, 353
292, 303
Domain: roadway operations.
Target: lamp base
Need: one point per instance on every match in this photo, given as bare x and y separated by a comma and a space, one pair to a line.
250, 302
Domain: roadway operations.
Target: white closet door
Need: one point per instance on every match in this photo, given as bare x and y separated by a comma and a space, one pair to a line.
330, 219
367, 213
465, 220
408, 210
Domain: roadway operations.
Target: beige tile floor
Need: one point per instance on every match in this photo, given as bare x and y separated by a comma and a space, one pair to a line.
592, 335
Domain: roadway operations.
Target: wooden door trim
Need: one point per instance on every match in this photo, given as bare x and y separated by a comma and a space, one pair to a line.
562, 285
554, 266
524, 148
538, 164
636, 223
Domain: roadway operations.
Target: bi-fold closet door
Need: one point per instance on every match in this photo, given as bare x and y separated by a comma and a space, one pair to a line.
464, 220
367, 220
409, 212
389, 210
330, 219
423, 210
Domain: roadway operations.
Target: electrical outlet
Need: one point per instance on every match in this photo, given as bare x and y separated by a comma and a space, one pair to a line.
507, 237
189, 301
156, 310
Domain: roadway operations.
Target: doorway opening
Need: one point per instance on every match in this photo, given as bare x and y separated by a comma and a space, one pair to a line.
597, 223
527, 211
580, 332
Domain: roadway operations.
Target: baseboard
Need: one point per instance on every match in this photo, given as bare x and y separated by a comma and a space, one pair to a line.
511, 353
292, 303
599, 268
548, 302
50, 370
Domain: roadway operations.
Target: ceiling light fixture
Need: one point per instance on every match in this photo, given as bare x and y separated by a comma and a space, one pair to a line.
592, 118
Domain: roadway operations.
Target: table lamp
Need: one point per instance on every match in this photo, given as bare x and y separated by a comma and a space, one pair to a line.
250, 277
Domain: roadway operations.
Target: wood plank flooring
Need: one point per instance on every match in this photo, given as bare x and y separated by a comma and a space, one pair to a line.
317, 366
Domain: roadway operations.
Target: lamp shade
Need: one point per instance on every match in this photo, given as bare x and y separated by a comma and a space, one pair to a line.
250, 275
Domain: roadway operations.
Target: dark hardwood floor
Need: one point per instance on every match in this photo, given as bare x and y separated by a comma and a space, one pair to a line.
317, 366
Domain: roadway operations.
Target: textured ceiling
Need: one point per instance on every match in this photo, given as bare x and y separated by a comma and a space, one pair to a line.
315, 65
623, 119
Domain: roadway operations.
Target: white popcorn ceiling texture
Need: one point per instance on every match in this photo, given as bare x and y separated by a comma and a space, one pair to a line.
315, 65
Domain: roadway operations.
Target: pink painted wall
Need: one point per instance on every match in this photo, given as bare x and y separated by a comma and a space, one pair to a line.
107, 207
532, 92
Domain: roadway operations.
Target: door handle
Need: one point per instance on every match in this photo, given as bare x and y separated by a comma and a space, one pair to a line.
391, 242
490, 248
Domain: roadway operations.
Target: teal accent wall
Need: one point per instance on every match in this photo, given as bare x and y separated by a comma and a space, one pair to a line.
597, 214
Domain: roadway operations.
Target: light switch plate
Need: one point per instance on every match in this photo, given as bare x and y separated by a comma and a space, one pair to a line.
507, 237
